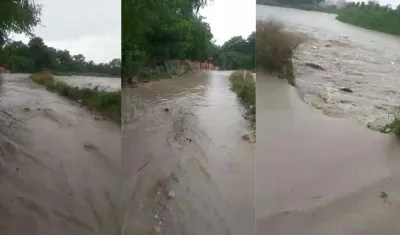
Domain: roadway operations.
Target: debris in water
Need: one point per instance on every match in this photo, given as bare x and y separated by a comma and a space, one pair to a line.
345, 89
27, 109
384, 195
392, 63
246, 137
171, 195
314, 47
166, 109
98, 118
314, 66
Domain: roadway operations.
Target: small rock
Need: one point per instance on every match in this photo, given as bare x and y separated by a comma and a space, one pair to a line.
166, 109
314, 66
346, 89
27, 109
171, 195
327, 45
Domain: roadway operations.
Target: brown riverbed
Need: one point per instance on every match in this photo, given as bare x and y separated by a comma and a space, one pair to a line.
59, 168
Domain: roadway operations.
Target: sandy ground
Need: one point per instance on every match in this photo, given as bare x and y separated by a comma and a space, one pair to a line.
59, 168
321, 175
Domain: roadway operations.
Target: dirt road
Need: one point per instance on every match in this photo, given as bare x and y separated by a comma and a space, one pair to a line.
59, 168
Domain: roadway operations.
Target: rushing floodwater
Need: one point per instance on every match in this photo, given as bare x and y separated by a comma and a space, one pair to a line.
103, 83
318, 174
366, 61
195, 150
59, 167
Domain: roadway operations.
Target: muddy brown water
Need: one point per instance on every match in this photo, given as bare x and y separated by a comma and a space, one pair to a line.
195, 150
319, 173
368, 62
102, 83
59, 168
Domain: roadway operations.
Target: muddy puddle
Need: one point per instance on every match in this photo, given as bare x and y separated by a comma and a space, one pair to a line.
101, 83
187, 169
59, 168
324, 172
365, 61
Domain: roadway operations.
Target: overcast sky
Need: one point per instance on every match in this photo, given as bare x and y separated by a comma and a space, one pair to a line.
88, 27
228, 18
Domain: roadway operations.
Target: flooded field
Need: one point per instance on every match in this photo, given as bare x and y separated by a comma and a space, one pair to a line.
59, 168
103, 83
365, 61
317, 173
186, 166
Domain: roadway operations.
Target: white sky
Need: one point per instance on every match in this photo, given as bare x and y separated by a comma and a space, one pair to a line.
228, 18
88, 27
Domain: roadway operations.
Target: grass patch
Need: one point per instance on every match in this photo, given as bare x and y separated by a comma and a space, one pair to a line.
394, 125
106, 103
245, 89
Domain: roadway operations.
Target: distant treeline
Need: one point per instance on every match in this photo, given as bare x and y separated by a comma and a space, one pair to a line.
372, 15
36, 56
236, 53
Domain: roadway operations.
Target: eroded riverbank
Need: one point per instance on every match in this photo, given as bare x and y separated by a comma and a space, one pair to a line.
59, 167
184, 136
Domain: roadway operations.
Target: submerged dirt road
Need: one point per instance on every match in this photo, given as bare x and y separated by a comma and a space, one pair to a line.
187, 169
321, 175
59, 168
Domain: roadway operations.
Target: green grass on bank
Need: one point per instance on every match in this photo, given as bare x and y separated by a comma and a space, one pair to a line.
245, 89
394, 126
107, 104
370, 18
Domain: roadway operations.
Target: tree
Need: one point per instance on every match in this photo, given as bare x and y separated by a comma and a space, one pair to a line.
18, 16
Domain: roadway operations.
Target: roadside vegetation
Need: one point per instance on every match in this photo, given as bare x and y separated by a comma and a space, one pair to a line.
394, 125
372, 15
274, 49
105, 103
243, 84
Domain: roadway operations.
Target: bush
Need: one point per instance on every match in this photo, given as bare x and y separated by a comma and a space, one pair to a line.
106, 103
274, 45
394, 126
245, 88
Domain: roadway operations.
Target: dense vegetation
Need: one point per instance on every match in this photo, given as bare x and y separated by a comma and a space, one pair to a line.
236, 53
37, 56
18, 17
106, 103
154, 32
158, 30
371, 15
